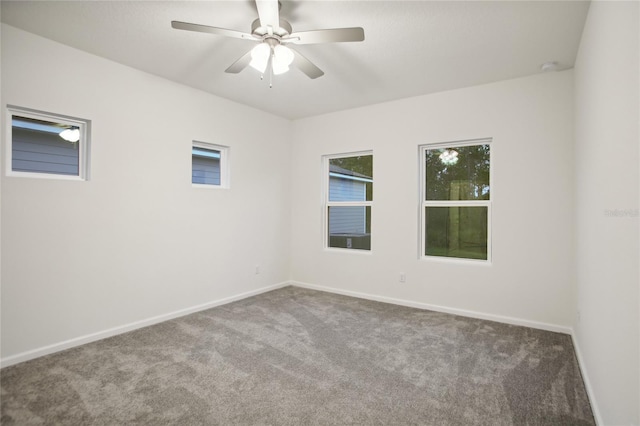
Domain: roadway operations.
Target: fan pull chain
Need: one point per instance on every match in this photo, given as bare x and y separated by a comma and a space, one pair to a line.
270, 67
270, 78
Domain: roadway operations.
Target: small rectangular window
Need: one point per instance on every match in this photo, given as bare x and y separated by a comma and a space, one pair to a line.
349, 196
456, 200
209, 165
47, 145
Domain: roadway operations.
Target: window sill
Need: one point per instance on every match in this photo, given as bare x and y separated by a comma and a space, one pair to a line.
207, 186
346, 250
456, 260
50, 176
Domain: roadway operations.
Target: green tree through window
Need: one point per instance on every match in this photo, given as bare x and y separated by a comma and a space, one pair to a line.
456, 201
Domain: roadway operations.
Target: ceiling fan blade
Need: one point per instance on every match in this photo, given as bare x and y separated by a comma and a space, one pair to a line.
240, 64
269, 13
334, 35
306, 66
178, 25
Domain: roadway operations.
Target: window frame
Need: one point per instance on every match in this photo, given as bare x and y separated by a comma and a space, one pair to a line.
326, 175
424, 203
225, 172
84, 142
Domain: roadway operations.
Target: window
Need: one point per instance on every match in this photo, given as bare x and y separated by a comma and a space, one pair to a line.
209, 165
456, 200
42, 144
349, 194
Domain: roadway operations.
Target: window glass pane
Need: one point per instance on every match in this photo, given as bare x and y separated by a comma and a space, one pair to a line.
456, 232
459, 173
205, 168
351, 178
39, 146
350, 227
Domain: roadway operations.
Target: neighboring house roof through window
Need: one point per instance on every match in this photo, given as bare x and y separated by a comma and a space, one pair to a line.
339, 172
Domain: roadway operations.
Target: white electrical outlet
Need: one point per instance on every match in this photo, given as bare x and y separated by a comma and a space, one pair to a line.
403, 277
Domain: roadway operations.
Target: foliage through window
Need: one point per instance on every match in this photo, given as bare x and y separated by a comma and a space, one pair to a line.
348, 201
47, 145
456, 200
209, 164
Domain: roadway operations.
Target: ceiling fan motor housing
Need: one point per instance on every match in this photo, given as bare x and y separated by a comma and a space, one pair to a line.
259, 31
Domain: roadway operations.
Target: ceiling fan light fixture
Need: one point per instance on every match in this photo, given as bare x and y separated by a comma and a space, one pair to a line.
283, 54
260, 57
279, 69
282, 58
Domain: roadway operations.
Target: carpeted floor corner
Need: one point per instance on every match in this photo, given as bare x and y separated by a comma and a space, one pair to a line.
302, 357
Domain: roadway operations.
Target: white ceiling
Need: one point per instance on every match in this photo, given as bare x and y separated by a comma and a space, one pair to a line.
411, 47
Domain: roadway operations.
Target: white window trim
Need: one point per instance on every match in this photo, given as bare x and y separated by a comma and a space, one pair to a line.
83, 144
225, 164
423, 202
326, 175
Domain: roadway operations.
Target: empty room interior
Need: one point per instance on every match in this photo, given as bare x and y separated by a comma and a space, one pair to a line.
320, 212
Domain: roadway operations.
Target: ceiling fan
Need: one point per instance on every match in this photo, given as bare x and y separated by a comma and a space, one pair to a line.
273, 35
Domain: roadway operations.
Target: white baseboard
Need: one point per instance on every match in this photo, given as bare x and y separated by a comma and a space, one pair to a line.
437, 308
585, 379
67, 344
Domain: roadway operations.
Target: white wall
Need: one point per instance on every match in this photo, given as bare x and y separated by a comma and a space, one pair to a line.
531, 123
607, 249
136, 240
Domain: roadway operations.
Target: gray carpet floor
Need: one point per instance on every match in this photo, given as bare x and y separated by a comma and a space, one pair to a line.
301, 357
